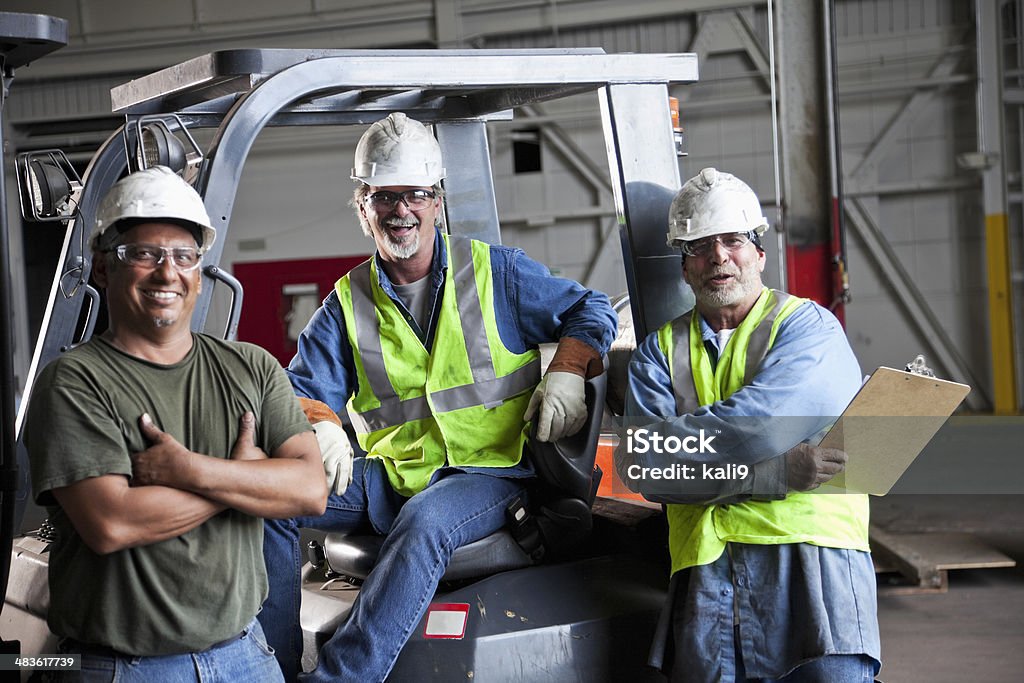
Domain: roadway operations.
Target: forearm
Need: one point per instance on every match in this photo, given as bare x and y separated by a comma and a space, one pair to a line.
766, 481
110, 516
591, 321
547, 308
275, 488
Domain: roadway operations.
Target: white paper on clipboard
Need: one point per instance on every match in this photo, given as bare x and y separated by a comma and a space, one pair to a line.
888, 423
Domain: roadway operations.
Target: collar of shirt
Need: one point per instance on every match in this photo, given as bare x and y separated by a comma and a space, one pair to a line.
714, 342
438, 269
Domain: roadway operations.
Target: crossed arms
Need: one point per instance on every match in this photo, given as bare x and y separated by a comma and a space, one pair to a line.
174, 490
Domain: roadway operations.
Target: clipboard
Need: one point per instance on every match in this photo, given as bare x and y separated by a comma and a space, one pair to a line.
887, 425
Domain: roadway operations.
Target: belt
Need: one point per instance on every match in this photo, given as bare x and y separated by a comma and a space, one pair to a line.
73, 646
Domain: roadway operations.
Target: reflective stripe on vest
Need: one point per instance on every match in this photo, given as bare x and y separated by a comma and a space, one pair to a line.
486, 390
698, 533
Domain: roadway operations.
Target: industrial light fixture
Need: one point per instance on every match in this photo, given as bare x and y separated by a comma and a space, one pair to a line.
49, 186
157, 145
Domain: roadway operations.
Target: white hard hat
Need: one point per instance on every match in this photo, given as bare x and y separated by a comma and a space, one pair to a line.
155, 194
398, 151
712, 203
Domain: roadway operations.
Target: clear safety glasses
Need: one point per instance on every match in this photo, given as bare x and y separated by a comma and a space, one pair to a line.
732, 241
414, 200
184, 259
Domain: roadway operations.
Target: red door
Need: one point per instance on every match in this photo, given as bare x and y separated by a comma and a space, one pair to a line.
280, 297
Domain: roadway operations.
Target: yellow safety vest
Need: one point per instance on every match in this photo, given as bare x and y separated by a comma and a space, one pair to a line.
459, 404
698, 533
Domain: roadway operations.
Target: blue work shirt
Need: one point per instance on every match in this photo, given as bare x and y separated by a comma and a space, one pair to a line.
790, 603
532, 307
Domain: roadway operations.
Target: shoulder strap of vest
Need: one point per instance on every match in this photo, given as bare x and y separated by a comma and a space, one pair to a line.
682, 376
757, 348
368, 332
460, 264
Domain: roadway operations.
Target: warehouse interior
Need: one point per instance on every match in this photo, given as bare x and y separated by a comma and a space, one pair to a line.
885, 139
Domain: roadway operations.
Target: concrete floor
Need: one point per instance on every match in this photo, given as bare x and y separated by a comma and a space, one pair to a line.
974, 631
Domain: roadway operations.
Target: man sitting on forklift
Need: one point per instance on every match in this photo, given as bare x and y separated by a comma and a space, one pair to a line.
149, 446
432, 346
768, 585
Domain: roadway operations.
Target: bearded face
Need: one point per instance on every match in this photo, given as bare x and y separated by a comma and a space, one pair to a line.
723, 278
398, 231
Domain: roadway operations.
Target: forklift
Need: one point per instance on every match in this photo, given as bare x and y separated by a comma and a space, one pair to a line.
521, 604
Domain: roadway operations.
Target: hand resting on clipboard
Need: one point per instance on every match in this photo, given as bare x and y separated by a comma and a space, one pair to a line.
888, 423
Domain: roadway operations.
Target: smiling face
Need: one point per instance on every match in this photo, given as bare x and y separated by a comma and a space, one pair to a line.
400, 233
143, 301
725, 283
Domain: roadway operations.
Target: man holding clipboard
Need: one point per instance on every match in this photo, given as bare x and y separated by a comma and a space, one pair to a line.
771, 585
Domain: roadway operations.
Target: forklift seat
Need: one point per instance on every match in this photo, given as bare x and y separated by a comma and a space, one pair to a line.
558, 513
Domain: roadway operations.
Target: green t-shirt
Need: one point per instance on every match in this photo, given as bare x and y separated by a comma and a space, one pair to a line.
185, 593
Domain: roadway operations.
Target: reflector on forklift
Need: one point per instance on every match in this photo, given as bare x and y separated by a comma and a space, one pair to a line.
446, 620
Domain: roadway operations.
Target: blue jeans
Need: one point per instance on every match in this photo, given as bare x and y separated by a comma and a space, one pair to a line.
247, 658
421, 532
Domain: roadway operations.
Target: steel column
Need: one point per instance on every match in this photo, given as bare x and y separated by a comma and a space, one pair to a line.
1005, 397
23, 39
805, 169
470, 207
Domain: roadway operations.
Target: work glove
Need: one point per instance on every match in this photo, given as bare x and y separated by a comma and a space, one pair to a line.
336, 451
808, 467
335, 448
560, 398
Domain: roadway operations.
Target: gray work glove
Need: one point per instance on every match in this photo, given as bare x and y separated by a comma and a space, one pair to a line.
808, 467
563, 410
336, 452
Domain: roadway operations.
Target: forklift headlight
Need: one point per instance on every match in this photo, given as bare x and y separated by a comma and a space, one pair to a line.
159, 147
163, 140
48, 186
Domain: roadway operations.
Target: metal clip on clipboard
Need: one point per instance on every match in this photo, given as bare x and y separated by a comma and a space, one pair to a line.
918, 367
